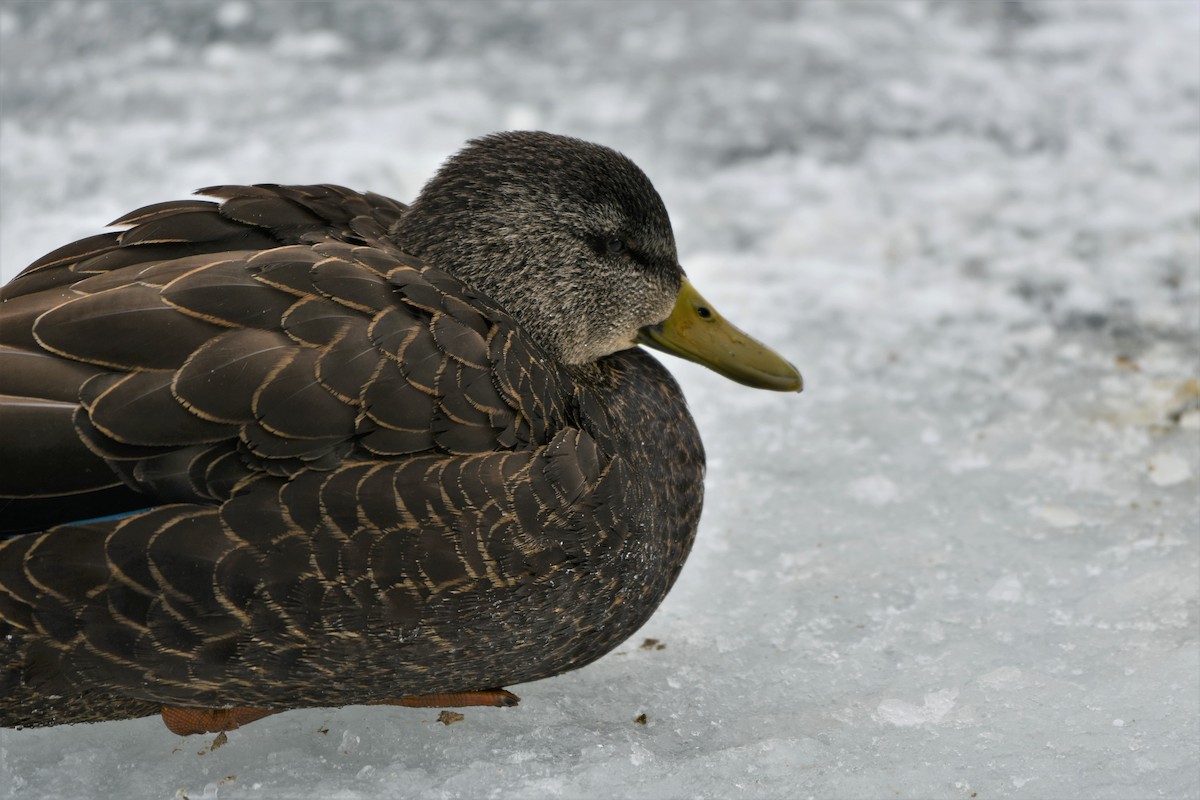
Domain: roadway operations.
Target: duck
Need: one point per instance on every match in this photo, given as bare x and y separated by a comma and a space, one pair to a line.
282, 446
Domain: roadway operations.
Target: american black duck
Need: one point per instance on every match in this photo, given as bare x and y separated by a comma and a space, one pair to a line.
313, 447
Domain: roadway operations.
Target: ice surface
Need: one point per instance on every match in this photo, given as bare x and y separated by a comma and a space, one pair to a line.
964, 563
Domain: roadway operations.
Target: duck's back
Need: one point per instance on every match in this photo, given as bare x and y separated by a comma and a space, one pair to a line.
352, 476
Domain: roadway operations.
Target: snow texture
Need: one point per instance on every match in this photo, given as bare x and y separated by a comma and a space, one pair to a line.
963, 563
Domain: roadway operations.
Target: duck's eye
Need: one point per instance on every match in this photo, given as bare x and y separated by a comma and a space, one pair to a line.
613, 245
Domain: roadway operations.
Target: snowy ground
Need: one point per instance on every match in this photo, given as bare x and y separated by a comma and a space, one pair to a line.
963, 564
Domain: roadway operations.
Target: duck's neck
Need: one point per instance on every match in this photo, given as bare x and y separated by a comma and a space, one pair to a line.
489, 260
651, 428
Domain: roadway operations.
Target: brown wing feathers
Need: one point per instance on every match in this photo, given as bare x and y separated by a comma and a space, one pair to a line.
264, 326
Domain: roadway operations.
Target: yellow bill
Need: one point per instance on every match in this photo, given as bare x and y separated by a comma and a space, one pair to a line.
695, 331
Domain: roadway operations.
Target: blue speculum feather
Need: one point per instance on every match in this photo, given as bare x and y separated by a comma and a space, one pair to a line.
108, 518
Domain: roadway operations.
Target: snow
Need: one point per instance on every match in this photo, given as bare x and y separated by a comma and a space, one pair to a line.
963, 563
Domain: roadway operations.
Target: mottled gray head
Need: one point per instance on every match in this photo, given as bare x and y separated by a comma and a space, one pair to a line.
569, 237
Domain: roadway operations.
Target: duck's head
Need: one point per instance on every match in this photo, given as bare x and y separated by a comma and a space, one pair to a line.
572, 239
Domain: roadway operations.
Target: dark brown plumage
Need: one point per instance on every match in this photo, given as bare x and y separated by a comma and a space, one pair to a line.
373, 451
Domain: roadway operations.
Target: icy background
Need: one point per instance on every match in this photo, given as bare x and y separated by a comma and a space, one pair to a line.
962, 564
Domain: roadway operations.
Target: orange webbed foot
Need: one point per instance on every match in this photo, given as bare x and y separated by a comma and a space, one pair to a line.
187, 721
